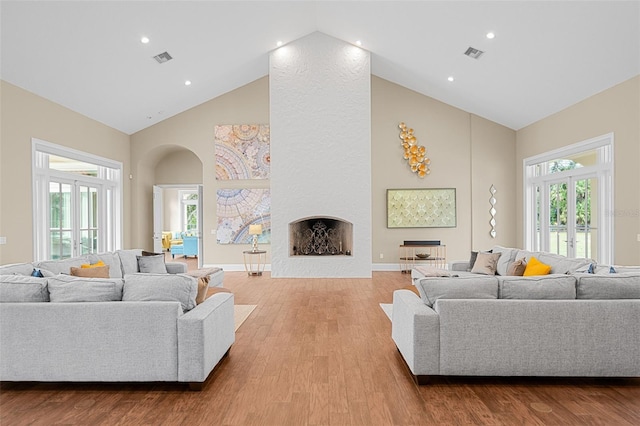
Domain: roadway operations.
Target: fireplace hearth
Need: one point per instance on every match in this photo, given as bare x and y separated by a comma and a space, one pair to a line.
320, 236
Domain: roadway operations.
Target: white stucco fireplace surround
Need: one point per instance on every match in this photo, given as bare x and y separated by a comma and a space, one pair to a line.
320, 102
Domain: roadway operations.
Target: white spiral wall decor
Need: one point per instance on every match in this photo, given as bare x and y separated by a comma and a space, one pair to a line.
492, 201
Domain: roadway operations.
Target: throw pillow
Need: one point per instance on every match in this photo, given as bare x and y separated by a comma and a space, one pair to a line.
535, 267
486, 263
37, 273
517, 268
592, 269
150, 253
612, 270
92, 272
203, 286
152, 264
92, 265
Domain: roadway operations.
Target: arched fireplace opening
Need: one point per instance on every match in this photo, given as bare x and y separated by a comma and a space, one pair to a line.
320, 236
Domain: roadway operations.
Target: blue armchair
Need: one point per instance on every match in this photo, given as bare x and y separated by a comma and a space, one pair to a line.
189, 247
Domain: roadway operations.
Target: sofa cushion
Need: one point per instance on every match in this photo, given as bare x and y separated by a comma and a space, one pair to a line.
152, 264
486, 263
538, 287
65, 288
129, 260
624, 285
92, 272
110, 259
507, 255
464, 287
535, 267
517, 267
562, 264
161, 287
23, 288
16, 269
62, 266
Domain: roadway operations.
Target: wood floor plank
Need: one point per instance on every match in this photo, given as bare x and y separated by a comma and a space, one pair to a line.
319, 352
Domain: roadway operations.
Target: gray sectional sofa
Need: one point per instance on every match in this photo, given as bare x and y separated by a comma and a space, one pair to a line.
567, 323
130, 327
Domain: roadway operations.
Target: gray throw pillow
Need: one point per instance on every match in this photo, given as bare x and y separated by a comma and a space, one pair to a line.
152, 264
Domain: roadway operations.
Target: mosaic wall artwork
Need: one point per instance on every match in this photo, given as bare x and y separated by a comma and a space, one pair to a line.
421, 208
239, 208
242, 151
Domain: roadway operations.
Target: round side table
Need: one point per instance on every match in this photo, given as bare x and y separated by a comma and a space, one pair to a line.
254, 261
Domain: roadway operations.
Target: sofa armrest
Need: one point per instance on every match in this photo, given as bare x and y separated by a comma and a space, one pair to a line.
460, 265
415, 328
205, 334
176, 267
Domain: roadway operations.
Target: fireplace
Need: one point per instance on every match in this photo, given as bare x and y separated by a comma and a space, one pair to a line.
320, 236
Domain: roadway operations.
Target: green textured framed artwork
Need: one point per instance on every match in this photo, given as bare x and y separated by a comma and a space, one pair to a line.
421, 208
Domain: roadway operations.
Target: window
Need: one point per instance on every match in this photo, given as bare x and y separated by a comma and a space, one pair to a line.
189, 211
568, 195
77, 202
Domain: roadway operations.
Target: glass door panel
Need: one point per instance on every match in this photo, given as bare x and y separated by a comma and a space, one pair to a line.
558, 213
88, 215
61, 219
584, 222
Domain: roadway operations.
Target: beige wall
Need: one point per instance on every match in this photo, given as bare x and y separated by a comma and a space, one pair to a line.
193, 130
180, 167
467, 153
615, 110
25, 116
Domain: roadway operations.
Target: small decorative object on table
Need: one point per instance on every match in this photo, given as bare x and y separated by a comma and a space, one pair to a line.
422, 255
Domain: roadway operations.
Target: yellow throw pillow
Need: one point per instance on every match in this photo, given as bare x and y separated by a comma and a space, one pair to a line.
92, 265
535, 267
93, 272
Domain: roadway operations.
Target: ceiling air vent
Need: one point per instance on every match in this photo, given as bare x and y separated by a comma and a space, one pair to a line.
473, 53
163, 57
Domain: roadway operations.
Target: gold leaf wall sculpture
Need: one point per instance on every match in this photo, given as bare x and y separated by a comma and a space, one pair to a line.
416, 155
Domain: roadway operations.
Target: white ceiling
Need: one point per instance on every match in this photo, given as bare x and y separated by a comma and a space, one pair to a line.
87, 55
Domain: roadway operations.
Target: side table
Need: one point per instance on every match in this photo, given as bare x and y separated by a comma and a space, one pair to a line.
254, 261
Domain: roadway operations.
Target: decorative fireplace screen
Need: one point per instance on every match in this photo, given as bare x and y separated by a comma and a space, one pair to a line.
320, 236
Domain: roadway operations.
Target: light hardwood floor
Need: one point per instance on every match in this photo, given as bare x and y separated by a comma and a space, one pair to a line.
319, 352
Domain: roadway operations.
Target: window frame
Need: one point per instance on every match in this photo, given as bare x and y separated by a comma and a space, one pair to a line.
602, 170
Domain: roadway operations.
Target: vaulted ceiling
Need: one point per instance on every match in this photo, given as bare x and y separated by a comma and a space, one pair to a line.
546, 55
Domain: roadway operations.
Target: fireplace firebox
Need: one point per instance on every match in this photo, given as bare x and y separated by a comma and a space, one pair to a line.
320, 236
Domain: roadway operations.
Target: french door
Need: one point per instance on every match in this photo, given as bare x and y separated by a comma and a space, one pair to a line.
570, 226
568, 200
74, 221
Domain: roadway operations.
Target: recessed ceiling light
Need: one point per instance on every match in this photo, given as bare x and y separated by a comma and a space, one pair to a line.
359, 42
490, 35
144, 40
187, 82
278, 43
450, 78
